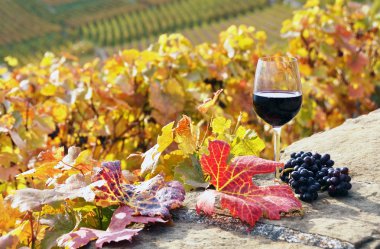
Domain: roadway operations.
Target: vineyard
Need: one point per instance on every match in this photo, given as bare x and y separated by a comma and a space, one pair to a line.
58, 25
268, 19
95, 150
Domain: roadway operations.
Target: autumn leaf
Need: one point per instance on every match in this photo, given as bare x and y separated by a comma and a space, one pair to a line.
190, 172
220, 125
233, 184
8, 241
45, 165
166, 138
8, 217
150, 161
59, 224
152, 156
116, 230
152, 197
246, 142
76, 186
184, 135
208, 103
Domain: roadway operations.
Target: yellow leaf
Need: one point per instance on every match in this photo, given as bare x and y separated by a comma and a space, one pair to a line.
48, 90
184, 135
311, 3
8, 216
12, 61
305, 69
166, 138
261, 35
60, 113
220, 125
3, 70
47, 60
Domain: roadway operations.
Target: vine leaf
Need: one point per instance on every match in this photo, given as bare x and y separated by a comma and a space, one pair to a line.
234, 186
184, 135
152, 197
208, 103
116, 230
76, 186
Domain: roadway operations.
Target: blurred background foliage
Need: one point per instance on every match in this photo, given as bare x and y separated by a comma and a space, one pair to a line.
111, 81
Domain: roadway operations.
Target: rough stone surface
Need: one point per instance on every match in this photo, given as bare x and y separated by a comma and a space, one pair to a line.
356, 218
349, 222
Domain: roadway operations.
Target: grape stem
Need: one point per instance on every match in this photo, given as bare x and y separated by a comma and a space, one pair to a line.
286, 170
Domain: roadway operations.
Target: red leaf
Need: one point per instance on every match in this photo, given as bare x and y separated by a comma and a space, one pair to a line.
116, 231
123, 216
237, 192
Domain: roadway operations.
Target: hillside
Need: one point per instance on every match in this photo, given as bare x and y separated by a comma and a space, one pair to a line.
29, 28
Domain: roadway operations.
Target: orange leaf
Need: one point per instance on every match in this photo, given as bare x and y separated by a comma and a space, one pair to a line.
233, 184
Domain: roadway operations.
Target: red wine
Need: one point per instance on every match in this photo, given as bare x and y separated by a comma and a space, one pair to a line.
277, 107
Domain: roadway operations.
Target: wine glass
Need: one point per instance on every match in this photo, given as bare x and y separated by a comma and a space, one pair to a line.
277, 94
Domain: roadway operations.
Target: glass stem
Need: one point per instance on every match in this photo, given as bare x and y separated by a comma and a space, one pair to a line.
276, 138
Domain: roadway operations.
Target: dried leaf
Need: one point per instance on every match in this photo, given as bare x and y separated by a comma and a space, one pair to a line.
116, 230
75, 186
208, 103
152, 197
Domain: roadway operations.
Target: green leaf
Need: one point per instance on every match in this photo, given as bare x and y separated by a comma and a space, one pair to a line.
190, 173
220, 125
59, 224
246, 142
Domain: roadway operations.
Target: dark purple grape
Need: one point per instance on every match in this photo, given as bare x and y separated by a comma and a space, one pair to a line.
302, 180
324, 170
304, 165
299, 161
293, 162
344, 170
310, 181
307, 160
315, 196
349, 186
295, 184
336, 173
330, 163
320, 174
288, 165
296, 168
295, 175
317, 156
332, 190
314, 168
303, 189
325, 158
306, 197
304, 173
334, 180
348, 178
311, 174
343, 178
293, 155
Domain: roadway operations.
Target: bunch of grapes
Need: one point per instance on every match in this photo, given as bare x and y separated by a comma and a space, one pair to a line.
308, 173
